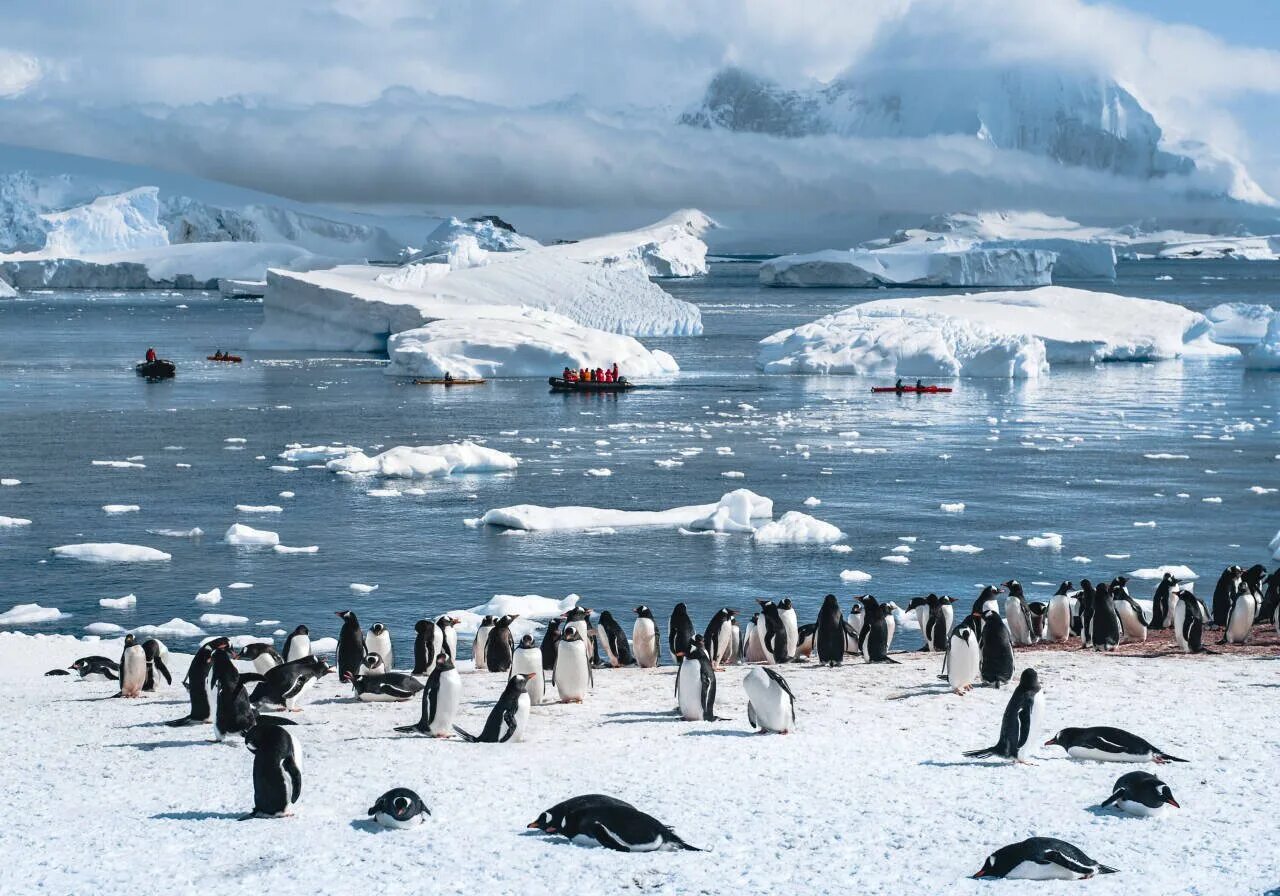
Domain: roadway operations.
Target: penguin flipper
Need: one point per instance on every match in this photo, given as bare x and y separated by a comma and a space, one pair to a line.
291, 769
164, 670
751, 715
508, 717
1055, 857
469, 738
1111, 800
1165, 757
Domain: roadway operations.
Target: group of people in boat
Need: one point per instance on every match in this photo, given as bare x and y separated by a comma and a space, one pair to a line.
599, 375
920, 386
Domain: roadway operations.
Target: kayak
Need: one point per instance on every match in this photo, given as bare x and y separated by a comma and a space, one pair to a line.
927, 390
560, 384
444, 382
227, 359
158, 369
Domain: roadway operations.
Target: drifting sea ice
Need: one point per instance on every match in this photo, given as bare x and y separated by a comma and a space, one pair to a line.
110, 552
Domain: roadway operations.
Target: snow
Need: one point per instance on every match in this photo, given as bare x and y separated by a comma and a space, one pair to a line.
445, 241
109, 223
240, 534
734, 512
935, 264
259, 508
532, 610
426, 461
794, 527
120, 508
314, 453
1266, 354
103, 628
128, 602
110, 552
13, 522
522, 342
31, 614
1182, 573
995, 334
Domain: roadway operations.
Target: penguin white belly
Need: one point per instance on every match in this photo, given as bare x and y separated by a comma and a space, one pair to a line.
571, 673
735, 643
447, 701
609, 656
1018, 630
299, 647
291, 703
725, 644
755, 652
1033, 727
1037, 871
1240, 622
1179, 626
133, 671
1142, 810
851, 640
584, 630
643, 643
370, 697
791, 629
769, 703
962, 663
437, 641
922, 622
297, 760
263, 663
689, 691
381, 645
390, 821
1130, 625
451, 639
480, 651
890, 626
522, 719
528, 661
1105, 756
1059, 621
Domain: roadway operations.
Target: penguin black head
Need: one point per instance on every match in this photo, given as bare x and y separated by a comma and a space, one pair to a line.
488, 620
302, 630
643, 612
505, 621
920, 602
444, 662
373, 661
421, 625
130, 640
526, 641
377, 628
1030, 680
446, 621
571, 634
786, 604
345, 615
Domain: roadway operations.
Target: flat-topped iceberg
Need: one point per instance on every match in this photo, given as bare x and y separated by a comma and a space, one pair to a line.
110, 552
940, 263
1266, 354
426, 461
739, 509
996, 334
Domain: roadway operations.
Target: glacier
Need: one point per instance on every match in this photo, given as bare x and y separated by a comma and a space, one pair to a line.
939, 263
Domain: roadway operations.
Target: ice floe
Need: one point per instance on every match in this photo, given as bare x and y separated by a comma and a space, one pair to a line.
242, 535
360, 588
128, 602
1266, 354
210, 597
120, 508
285, 549
794, 527
110, 552
734, 512
193, 532
13, 522
222, 619
853, 576
174, 628
29, 614
259, 508
425, 461
1182, 573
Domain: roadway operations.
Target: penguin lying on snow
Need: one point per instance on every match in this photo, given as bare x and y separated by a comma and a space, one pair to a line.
1042, 858
1105, 744
1021, 722
96, 668
615, 825
277, 771
399, 808
552, 820
383, 687
1141, 794
508, 718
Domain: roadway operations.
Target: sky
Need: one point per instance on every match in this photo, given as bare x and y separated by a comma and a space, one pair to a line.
572, 102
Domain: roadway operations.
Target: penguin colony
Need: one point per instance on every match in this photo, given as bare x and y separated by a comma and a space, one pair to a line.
977, 651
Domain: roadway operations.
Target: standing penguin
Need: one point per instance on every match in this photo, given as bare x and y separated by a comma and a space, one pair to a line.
986, 601
696, 685
1059, 617
876, 632
1223, 592
579, 619
156, 653
679, 632
611, 637
996, 666
550, 645
1021, 723
753, 641
920, 606
509, 718
379, 642
572, 675
1018, 614
263, 656
447, 636
277, 771
770, 704
1270, 609
828, 637
1133, 620
528, 661
775, 632
351, 652
718, 638
645, 639
963, 659
1190, 618
1240, 617
479, 647
297, 645
232, 712
853, 628
937, 627
424, 647
735, 647
1161, 611
500, 646
133, 668
1087, 605
197, 673
1104, 621
440, 699
791, 626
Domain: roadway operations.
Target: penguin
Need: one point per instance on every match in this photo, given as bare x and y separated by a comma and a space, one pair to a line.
807, 632
550, 645
1133, 619
775, 632
551, 821
771, 706
1141, 794
613, 639
986, 601
384, 687
197, 674
1087, 604
528, 661
1041, 858
379, 641
1105, 744
579, 619
679, 631
645, 638
718, 638
233, 712
572, 675
262, 655
876, 632
399, 809
277, 771
510, 715
963, 659
1104, 621
920, 606
424, 647
447, 636
1270, 609
622, 828
351, 652
1161, 611
1240, 617
285, 685
996, 664
1021, 722
155, 652
1223, 592
1059, 616
753, 641
1255, 577
297, 645
1019, 616
828, 636
133, 668
479, 647
735, 640
372, 665
941, 617
696, 684
500, 646
853, 628
96, 668
440, 699
790, 625
1039, 611
1190, 617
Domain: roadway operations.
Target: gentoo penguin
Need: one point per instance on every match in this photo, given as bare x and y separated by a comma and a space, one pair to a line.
550, 821
735, 645
622, 828
440, 699
938, 623
197, 675
133, 668
963, 659
262, 655
828, 636
920, 606
1041, 858
284, 685
379, 641
297, 645
718, 638
1223, 592
1104, 622
1059, 619
679, 631
1244, 609
550, 645
645, 638
1019, 616
1021, 722
96, 668
853, 628
775, 632
572, 675
510, 715
399, 808
479, 647
1161, 610
1255, 577
1133, 620
996, 665
232, 711
753, 641
579, 619
986, 601
351, 652
770, 704
384, 687
277, 771
1190, 617
790, 625
528, 661
1086, 604
611, 637
696, 685
500, 646
447, 636
876, 633
1105, 744
1141, 794
807, 631
156, 653
424, 646
1270, 609
373, 665
1039, 611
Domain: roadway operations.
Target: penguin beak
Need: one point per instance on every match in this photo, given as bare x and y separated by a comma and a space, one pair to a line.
531, 826
1172, 802
982, 872
1051, 742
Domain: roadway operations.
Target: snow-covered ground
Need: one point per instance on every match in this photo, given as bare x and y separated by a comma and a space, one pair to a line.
870, 795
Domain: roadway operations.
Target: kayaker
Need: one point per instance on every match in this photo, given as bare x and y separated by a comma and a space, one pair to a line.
448, 377
151, 355
898, 385
919, 385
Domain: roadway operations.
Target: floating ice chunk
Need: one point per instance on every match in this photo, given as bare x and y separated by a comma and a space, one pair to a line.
1266, 354
321, 646
668, 464
235, 440
309, 549
259, 508
211, 597
110, 552
283, 468
811, 501
1164, 455
128, 602
1080, 559
900, 559
286, 494
240, 534
942, 262
194, 532
222, 619
1262, 490
1117, 556
841, 549
30, 614
599, 471
120, 508
426, 461
313, 453
13, 522
1182, 573
1050, 540
794, 527
383, 493
1150, 524
358, 588
961, 548
103, 628
953, 507
852, 576
736, 508
119, 464
1212, 500
240, 585
1010, 537
10, 482
733, 474
174, 628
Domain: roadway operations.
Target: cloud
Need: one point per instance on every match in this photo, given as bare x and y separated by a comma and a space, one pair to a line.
18, 73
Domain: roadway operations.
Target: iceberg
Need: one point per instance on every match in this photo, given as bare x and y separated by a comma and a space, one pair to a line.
1239, 323
737, 506
489, 233
222, 619
426, 461
128, 602
7, 291
794, 527
246, 536
28, 614
1266, 354
1182, 573
110, 552
945, 263
13, 522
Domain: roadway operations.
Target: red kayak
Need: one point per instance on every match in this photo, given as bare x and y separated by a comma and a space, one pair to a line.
927, 390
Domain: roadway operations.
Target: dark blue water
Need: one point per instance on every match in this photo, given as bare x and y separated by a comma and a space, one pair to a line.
1064, 455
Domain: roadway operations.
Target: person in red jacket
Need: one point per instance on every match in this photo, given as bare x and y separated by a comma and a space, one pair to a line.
615, 371
151, 354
